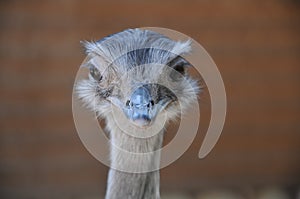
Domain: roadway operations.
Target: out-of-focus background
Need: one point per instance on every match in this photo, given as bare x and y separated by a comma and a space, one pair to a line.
256, 45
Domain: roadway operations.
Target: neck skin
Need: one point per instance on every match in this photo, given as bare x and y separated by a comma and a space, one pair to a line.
136, 184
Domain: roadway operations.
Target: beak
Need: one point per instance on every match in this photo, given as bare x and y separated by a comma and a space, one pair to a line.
140, 108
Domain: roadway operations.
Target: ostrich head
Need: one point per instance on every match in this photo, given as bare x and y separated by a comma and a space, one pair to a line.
138, 76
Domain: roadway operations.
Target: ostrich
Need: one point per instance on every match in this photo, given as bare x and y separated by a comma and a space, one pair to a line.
137, 83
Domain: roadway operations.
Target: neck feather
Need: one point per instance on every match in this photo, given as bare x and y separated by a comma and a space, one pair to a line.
135, 184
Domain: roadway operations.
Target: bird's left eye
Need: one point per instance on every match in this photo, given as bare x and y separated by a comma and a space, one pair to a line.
179, 68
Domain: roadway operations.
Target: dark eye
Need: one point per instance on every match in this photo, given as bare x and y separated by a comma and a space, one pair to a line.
95, 73
178, 64
177, 72
179, 68
128, 103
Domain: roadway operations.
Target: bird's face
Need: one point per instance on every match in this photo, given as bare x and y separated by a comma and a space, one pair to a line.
140, 94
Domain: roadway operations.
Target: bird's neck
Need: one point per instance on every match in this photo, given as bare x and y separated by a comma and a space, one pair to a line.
133, 185
127, 177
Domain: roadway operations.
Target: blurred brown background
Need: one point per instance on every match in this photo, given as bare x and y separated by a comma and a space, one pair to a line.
256, 45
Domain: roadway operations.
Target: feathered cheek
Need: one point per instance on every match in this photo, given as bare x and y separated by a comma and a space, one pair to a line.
104, 93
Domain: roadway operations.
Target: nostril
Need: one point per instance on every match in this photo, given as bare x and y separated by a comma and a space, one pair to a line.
152, 103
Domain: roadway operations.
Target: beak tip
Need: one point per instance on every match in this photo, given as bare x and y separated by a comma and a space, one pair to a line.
142, 122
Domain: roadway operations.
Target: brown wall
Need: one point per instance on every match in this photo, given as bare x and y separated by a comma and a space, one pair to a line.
256, 45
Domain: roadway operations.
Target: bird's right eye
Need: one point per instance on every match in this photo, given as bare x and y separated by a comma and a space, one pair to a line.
95, 73
127, 102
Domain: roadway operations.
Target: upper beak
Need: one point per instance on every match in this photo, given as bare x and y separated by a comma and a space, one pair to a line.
140, 108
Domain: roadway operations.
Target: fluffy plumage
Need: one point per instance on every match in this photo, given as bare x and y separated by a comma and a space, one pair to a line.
119, 64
